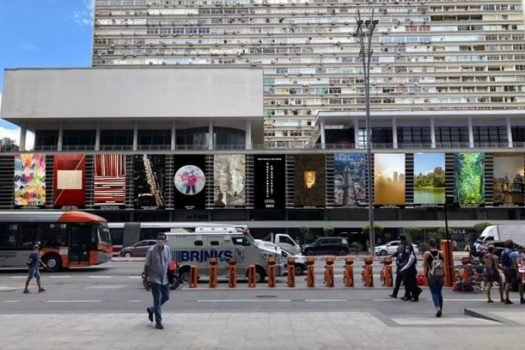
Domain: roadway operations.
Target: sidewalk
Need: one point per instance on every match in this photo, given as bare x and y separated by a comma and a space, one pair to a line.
258, 330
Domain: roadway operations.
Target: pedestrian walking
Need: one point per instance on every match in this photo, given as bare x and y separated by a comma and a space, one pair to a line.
156, 266
509, 269
519, 261
491, 274
33, 265
399, 260
409, 274
434, 270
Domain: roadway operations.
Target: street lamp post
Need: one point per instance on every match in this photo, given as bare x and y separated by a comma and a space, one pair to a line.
365, 28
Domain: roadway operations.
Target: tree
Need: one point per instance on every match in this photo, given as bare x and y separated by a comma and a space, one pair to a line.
356, 247
481, 226
305, 232
328, 230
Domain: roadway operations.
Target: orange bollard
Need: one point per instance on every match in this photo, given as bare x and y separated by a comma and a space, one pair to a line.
232, 273
368, 276
387, 272
272, 281
252, 283
194, 277
446, 249
466, 267
349, 272
291, 272
329, 272
213, 273
310, 277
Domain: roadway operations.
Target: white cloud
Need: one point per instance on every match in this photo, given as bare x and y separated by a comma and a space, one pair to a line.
85, 16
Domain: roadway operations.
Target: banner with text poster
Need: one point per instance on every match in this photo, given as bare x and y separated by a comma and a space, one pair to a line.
190, 182
269, 181
310, 180
508, 179
110, 180
30, 180
229, 176
429, 178
349, 179
469, 178
148, 180
389, 179
70, 178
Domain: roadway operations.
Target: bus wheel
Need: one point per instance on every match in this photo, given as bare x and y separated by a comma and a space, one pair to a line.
53, 262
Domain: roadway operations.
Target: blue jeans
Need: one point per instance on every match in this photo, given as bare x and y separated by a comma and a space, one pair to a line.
436, 286
161, 294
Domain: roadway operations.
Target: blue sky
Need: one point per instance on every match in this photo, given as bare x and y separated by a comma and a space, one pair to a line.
43, 33
427, 162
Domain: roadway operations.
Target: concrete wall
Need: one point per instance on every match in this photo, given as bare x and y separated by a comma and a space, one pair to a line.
131, 93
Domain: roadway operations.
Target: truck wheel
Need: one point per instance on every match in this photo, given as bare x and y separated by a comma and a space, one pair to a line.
184, 276
382, 253
260, 274
53, 262
127, 254
299, 270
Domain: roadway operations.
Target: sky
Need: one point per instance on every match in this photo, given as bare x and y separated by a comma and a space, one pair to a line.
44, 34
426, 162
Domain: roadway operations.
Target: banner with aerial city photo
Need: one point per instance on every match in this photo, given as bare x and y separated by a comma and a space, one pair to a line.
110, 180
148, 180
350, 179
469, 181
429, 178
269, 172
229, 176
310, 180
69, 180
30, 179
508, 179
389, 179
190, 182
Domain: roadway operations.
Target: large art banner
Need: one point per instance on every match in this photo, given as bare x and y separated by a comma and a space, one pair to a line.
269, 181
429, 178
229, 174
469, 181
30, 179
190, 181
389, 179
148, 179
310, 180
349, 179
70, 175
110, 180
508, 179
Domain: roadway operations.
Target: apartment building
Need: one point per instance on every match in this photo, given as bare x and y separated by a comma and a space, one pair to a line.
427, 55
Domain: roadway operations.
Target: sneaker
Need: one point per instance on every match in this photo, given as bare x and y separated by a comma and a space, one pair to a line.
159, 326
438, 313
26, 291
150, 314
40, 290
405, 298
508, 302
490, 301
392, 296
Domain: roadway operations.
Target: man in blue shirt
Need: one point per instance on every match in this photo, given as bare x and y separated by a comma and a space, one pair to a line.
33, 265
156, 265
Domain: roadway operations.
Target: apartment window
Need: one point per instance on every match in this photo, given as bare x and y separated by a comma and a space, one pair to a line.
46, 139
122, 139
79, 139
492, 134
154, 137
452, 134
413, 135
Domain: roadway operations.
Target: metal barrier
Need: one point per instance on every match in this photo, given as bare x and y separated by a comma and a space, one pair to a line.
368, 273
194, 276
349, 272
310, 277
213, 273
387, 272
272, 279
329, 272
252, 276
232, 273
291, 272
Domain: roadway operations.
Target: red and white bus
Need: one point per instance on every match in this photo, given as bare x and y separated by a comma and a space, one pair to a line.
67, 238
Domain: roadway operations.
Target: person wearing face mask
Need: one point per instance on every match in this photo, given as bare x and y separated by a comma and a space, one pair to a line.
156, 264
409, 273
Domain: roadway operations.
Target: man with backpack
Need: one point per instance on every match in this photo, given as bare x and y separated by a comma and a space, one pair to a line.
434, 270
509, 268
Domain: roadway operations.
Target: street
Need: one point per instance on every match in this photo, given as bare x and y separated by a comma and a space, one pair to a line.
80, 301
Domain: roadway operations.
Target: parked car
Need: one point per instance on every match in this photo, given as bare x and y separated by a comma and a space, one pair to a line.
138, 249
327, 245
390, 248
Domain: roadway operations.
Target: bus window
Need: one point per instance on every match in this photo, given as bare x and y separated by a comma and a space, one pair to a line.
7, 236
26, 235
103, 234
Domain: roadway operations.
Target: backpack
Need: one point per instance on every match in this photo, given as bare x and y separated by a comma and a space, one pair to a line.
505, 258
436, 267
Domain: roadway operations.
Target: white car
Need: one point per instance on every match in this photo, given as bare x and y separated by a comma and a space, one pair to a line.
391, 248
